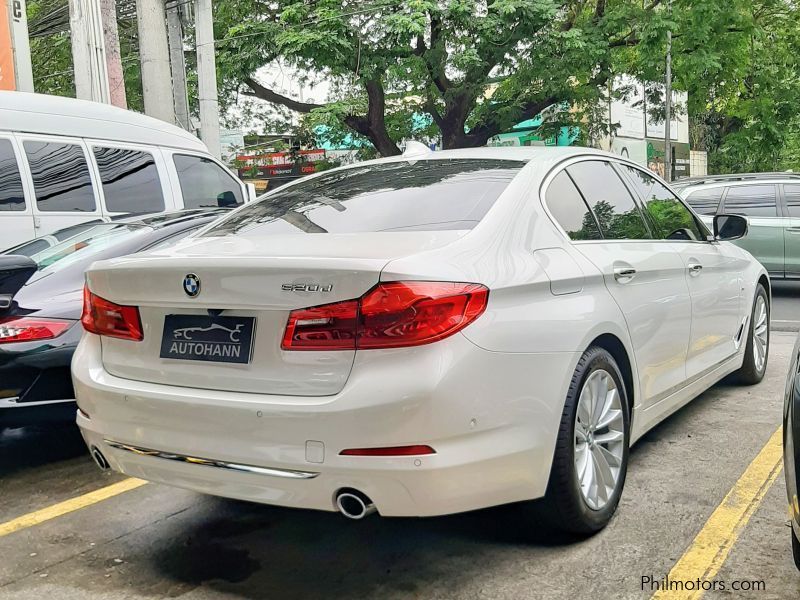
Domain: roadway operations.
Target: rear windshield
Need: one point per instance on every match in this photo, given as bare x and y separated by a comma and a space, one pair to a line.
425, 195
88, 242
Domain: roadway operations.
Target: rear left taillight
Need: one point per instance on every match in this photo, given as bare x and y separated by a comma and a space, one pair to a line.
103, 317
30, 329
391, 315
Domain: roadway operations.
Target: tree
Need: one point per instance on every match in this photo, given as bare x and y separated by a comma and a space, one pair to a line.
477, 67
747, 119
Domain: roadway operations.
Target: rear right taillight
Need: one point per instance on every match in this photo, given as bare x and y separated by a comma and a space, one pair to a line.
394, 314
103, 317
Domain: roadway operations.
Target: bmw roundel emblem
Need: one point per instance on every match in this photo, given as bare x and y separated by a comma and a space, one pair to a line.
191, 285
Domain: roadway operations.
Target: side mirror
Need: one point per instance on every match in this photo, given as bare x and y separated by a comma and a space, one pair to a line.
729, 227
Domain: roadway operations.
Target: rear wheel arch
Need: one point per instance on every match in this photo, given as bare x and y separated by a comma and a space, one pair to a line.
614, 346
764, 280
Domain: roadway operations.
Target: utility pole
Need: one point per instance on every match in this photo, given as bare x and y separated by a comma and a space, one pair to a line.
154, 58
668, 103
20, 45
180, 95
88, 51
116, 78
207, 76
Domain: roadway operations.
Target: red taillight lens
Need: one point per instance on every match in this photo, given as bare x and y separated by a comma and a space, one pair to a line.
28, 329
327, 327
103, 317
390, 451
391, 315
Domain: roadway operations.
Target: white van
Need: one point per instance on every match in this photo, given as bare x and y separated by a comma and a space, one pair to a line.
64, 162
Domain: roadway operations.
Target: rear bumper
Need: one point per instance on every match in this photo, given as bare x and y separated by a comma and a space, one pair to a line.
491, 417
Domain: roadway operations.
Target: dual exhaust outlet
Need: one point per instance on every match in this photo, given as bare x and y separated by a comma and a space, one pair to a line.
351, 503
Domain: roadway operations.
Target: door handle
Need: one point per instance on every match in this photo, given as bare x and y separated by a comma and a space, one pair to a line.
793, 229
624, 274
694, 268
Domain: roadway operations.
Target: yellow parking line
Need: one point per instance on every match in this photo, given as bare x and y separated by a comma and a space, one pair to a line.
705, 556
68, 506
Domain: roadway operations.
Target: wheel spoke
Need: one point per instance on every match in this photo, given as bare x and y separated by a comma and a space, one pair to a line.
612, 459
609, 438
605, 479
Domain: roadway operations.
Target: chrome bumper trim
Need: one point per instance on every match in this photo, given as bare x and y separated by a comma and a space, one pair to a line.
207, 462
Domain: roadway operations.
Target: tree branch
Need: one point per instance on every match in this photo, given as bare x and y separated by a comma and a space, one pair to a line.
259, 91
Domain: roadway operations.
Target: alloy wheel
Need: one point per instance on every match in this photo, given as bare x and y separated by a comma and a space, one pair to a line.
760, 333
599, 439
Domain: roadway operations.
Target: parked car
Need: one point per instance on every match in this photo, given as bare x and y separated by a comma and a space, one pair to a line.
771, 203
40, 306
64, 162
791, 446
421, 335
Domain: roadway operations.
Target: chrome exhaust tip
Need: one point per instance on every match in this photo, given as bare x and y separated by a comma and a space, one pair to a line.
99, 459
354, 505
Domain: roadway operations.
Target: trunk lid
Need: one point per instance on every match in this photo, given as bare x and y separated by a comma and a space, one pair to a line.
244, 279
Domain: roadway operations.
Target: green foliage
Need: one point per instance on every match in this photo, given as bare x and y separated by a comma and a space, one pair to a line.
478, 67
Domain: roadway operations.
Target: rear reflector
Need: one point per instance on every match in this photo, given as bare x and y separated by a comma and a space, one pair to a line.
103, 317
391, 315
390, 451
28, 329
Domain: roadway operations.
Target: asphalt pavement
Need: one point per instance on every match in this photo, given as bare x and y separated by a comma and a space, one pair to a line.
159, 542
786, 305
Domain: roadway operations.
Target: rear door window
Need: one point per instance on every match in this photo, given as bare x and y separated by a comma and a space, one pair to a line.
205, 184
791, 192
569, 209
61, 177
752, 201
705, 201
611, 202
423, 195
11, 195
130, 180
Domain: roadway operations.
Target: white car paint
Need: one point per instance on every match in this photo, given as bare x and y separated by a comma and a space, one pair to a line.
489, 399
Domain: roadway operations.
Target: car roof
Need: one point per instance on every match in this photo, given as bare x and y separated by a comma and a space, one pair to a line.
56, 115
522, 153
736, 178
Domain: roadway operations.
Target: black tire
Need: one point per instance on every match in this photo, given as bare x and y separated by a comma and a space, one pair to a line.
796, 550
564, 506
749, 373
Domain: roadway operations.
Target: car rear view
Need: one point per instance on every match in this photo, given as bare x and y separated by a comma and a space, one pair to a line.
269, 359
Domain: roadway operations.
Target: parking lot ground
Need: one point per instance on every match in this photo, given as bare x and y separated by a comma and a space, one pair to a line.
158, 542
786, 305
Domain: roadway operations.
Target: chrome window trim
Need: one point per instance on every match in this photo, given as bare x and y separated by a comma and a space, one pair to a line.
560, 166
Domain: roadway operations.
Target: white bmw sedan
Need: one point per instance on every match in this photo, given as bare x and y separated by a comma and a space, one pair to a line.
421, 335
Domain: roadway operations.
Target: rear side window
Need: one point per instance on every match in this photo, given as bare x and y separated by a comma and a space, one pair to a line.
609, 199
791, 192
569, 210
60, 177
752, 201
424, 195
130, 180
11, 195
672, 220
205, 184
705, 201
